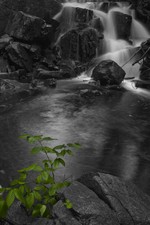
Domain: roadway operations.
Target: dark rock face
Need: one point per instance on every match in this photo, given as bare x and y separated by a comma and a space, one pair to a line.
145, 67
79, 44
97, 24
108, 72
143, 10
83, 15
131, 206
29, 28
41, 8
123, 25
97, 199
5, 13
19, 56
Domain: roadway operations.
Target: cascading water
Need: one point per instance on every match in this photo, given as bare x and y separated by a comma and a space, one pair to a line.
119, 50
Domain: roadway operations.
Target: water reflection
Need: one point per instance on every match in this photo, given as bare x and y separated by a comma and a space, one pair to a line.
113, 131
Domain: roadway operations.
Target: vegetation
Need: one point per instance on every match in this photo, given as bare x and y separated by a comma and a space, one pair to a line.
40, 195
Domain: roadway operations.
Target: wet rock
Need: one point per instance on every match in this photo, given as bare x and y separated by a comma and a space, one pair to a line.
46, 74
40, 9
108, 72
50, 83
142, 84
130, 205
29, 28
19, 56
97, 24
5, 13
88, 206
42, 221
63, 215
83, 15
4, 65
123, 25
143, 10
106, 6
79, 44
5, 40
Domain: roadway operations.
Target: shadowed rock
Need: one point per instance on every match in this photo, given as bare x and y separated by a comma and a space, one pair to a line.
29, 28
108, 72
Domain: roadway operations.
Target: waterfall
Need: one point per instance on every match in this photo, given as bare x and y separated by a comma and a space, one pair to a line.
119, 50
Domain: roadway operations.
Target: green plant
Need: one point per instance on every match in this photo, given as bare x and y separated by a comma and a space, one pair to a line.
38, 198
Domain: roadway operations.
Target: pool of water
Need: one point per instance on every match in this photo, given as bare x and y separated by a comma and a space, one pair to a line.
113, 130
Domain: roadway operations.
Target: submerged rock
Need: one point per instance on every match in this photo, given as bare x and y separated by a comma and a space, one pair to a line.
108, 72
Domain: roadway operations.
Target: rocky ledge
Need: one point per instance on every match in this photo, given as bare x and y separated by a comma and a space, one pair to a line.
98, 199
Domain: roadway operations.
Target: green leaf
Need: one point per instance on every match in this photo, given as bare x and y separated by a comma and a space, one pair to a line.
59, 147
19, 195
3, 209
33, 139
48, 139
74, 145
36, 210
36, 150
33, 167
42, 209
37, 195
2, 190
29, 200
58, 161
52, 191
49, 150
10, 198
25, 136
68, 204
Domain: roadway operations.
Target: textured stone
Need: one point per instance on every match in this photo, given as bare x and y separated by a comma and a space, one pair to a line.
130, 204
19, 56
87, 205
108, 72
123, 25
29, 28
79, 44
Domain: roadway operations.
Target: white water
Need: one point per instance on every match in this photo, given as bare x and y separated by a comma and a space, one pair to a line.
112, 48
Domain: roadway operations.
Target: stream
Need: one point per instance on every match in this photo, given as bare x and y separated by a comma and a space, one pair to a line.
113, 131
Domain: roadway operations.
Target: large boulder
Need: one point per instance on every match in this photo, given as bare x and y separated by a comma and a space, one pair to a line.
79, 45
130, 205
19, 57
40, 8
123, 24
29, 28
108, 72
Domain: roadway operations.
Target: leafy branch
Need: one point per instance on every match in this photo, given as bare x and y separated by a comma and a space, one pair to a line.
45, 193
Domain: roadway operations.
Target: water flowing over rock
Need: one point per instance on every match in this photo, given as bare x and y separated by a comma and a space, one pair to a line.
123, 25
79, 44
108, 72
29, 28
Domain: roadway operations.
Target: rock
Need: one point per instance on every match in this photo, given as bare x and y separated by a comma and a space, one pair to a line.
83, 15
79, 45
142, 84
123, 25
50, 83
130, 205
46, 74
63, 215
4, 65
29, 28
108, 72
5, 40
40, 9
5, 13
42, 221
97, 24
106, 6
143, 10
19, 56
88, 206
